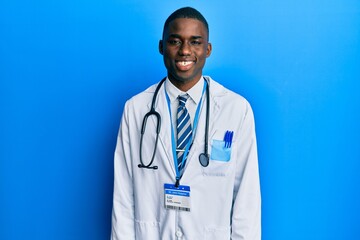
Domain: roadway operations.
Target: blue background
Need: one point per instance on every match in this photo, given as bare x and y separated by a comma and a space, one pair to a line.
67, 67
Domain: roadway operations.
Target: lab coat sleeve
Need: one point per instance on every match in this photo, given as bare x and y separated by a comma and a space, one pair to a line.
123, 199
246, 212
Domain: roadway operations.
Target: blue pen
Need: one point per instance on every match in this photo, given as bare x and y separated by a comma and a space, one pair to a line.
228, 139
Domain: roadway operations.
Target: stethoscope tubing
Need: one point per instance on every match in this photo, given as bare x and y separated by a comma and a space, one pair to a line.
158, 128
203, 157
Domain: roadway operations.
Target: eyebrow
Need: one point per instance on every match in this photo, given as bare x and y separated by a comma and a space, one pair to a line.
174, 35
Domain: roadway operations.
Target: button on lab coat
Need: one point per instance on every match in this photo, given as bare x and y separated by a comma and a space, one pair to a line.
225, 196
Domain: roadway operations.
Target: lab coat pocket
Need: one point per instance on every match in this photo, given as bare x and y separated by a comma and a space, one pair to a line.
217, 233
219, 160
219, 152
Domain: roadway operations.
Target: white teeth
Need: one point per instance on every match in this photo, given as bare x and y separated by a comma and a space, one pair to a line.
185, 63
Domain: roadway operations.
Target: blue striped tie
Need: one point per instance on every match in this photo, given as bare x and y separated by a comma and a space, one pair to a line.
184, 131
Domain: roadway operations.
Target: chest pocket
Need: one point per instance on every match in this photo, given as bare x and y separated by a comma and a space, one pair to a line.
220, 159
219, 152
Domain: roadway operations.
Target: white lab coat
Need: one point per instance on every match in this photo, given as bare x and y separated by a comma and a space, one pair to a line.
225, 196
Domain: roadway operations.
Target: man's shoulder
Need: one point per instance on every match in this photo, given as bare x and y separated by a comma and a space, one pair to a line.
228, 100
221, 92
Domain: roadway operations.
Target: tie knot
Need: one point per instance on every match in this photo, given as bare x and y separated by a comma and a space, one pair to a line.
183, 99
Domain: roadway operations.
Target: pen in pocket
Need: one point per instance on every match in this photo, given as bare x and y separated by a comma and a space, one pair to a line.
228, 139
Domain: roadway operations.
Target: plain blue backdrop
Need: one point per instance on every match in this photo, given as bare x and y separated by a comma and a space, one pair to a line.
67, 68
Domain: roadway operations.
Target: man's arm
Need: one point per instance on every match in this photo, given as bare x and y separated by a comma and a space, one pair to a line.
123, 200
246, 212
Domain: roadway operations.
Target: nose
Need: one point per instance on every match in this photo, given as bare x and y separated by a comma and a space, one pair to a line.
185, 49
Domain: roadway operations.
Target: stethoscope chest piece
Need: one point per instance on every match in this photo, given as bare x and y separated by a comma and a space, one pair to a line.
204, 159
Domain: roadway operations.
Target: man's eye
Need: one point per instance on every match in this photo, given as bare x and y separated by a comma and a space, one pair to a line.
195, 42
174, 42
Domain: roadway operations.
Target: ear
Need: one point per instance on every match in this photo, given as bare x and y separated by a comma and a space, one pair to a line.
161, 51
208, 50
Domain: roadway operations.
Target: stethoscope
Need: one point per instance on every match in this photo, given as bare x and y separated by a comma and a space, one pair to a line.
203, 157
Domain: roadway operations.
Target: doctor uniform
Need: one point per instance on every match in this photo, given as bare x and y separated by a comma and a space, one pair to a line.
224, 197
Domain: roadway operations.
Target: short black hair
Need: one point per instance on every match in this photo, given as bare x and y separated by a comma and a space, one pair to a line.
186, 12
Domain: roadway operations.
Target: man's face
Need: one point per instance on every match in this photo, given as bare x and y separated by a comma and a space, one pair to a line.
185, 48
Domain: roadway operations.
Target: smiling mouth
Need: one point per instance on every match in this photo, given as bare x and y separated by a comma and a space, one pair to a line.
184, 65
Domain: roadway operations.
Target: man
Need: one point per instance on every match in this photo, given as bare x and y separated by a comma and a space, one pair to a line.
174, 187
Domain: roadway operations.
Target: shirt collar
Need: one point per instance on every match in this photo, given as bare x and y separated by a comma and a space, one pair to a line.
195, 92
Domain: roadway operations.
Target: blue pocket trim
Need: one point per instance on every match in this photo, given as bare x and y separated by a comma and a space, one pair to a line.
219, 152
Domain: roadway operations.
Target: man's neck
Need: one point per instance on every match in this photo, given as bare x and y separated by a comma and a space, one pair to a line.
184, 86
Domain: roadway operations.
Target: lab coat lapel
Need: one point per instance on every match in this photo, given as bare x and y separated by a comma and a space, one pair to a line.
216, 91
215, 104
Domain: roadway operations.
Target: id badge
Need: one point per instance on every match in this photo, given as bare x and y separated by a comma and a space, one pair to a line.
177, 198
